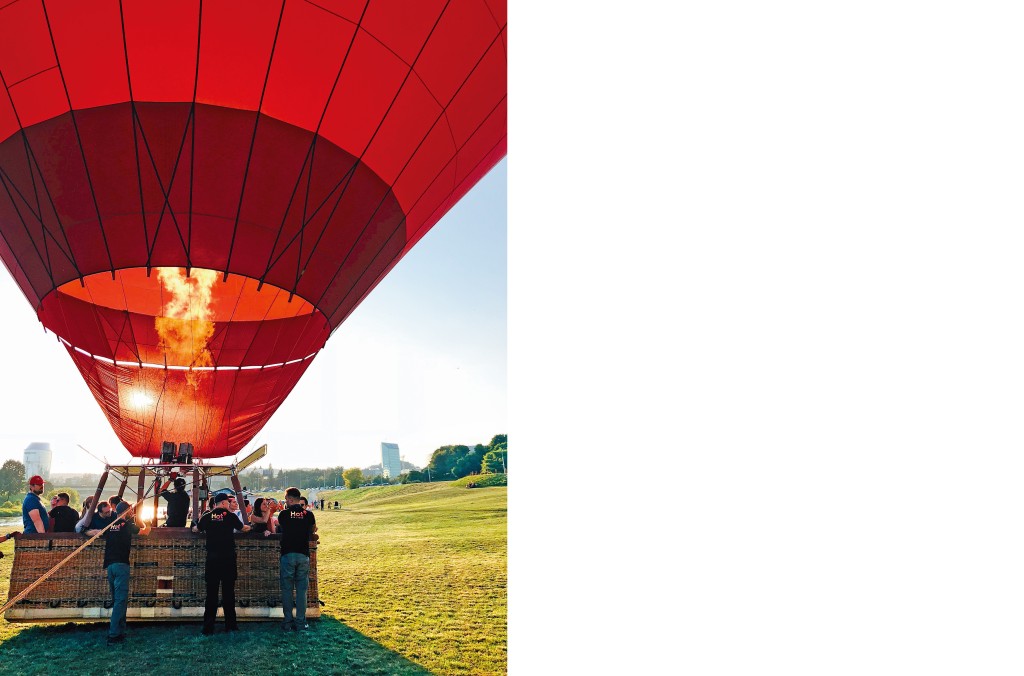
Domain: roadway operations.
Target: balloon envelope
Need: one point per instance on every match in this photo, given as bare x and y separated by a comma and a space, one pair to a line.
194, 196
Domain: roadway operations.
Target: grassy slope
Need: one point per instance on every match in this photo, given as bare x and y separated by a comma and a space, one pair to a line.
413, 578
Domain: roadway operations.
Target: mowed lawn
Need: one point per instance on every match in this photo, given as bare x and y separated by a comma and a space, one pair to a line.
413, 579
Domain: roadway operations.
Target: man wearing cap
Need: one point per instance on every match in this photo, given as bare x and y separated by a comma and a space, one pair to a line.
221, 565
34, 517
177, 503
296, 526
115, 561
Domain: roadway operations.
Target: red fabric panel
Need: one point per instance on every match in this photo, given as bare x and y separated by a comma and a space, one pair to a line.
346, 9
402, 26
232, 70
39, 98
372, 75
217, 411
88, 38
402, 131
306, 63
452, 52
24, 24
161, 38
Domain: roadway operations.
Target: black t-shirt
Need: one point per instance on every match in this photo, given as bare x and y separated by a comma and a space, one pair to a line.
177, 507
219, 526
295, 525
119, 541
64, 519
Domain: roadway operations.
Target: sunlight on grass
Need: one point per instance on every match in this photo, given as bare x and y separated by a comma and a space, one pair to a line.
413, 580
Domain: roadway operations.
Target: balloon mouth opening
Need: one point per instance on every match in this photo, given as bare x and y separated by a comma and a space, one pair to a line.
171, 317
180, 293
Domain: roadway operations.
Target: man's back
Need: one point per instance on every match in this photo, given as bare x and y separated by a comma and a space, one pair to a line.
296, 526
219, 526
64, 519
177, 507
119, 541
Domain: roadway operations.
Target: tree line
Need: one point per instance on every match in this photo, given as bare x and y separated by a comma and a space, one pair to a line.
447, 463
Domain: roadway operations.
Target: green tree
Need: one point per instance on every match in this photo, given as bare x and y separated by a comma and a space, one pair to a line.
12, 478
493, 463
353, 477
469, 461
75, 498
498, 442
443, 461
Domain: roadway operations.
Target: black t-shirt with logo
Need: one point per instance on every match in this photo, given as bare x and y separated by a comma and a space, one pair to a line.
295, 525
219, 526
64, 519
177, 507
119, 541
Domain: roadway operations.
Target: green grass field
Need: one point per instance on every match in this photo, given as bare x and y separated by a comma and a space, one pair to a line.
414, 581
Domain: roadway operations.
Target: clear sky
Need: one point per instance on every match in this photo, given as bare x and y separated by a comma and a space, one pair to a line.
420, 363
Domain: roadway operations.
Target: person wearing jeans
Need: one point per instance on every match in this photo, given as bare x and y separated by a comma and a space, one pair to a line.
116, 554
296, 526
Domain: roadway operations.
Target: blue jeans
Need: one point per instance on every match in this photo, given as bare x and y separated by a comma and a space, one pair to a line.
117, 577
294, 578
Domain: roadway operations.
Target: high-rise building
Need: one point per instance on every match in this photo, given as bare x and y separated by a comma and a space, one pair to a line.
391, 461
38, 458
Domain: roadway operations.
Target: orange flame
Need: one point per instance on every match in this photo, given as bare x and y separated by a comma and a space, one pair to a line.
185, 328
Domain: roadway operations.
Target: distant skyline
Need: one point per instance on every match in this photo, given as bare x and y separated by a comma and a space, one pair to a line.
420, 363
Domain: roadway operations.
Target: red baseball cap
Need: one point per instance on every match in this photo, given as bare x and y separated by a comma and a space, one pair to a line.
36, 480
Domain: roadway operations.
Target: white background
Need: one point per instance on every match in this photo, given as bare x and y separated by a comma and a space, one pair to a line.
765, 358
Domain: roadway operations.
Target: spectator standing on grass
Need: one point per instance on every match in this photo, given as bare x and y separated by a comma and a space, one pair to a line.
116, 557
296, 526
34, 517
63, 517
220, 525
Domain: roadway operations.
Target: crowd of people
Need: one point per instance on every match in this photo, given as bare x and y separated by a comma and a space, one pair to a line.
292, 519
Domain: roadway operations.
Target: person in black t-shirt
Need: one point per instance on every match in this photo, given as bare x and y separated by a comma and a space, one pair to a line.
177, 503
221, 564
296, 526
62, 517
116, 556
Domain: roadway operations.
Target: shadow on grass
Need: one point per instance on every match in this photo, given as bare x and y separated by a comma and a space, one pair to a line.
328, 647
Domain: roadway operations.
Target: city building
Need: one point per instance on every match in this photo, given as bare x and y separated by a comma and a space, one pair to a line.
391, 461
38, 458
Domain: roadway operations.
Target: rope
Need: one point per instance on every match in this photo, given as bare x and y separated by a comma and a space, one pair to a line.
60, 564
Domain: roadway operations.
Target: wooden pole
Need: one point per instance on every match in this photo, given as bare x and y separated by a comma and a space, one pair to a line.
237, 485
195, 494
124, 484
156, 498
96, 495
142, 484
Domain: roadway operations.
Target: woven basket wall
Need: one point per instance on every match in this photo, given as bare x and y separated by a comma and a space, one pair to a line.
176, 553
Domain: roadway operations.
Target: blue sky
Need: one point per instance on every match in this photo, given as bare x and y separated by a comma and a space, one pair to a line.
421, 363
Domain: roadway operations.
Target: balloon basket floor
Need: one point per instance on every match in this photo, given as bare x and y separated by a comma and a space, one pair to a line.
166, 583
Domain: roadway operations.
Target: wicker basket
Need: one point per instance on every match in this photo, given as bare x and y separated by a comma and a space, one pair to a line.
167, 578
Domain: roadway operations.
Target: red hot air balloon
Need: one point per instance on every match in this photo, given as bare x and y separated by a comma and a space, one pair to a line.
196, 194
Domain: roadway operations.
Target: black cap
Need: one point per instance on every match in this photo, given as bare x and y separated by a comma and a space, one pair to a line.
220, 497
179, 482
